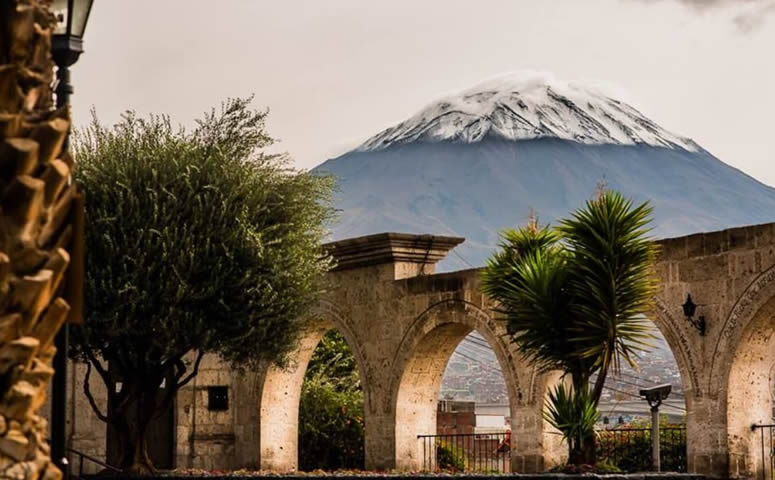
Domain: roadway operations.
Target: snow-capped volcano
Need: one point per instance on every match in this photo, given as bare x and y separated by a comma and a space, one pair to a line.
479, 161
524, 106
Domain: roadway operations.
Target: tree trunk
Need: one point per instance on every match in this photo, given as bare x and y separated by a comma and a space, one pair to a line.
582, 451
132, 431
35, 230
589, 450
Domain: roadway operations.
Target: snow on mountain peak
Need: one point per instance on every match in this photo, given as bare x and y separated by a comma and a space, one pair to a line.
529, 105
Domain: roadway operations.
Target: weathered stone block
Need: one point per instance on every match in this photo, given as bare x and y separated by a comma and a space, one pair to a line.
706, 268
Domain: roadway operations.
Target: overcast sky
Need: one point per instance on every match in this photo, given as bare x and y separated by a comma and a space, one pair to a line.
334, 72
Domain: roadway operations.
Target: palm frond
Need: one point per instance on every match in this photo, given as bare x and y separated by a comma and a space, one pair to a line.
611, 258
573, 413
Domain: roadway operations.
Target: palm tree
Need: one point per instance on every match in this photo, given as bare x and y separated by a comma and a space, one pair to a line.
574, 297
36, 228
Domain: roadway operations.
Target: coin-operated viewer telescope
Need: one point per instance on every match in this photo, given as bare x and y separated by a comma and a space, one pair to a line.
655, 396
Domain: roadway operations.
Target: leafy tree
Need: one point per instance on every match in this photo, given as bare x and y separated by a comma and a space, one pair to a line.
574, 298
331, 434
196, 243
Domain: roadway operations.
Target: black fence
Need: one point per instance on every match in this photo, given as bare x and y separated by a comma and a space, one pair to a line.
767, 465
630, 448
467, 452
82, 456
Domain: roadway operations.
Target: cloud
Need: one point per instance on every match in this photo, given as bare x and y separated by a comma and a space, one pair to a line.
752, 20
749, 15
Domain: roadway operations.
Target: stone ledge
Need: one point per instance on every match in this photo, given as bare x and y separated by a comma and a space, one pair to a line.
702, 244
390, 247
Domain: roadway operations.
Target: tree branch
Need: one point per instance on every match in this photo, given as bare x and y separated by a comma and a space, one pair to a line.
100, 369
194, 372
180, 368
120, 399
90, 397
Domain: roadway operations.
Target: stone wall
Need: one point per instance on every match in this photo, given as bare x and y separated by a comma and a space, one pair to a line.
206, 437
730, 275
86, 433
402, 323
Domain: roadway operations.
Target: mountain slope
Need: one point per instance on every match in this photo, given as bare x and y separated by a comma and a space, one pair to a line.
466, 166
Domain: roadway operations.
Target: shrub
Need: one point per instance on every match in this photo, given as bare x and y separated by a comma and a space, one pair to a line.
448, 458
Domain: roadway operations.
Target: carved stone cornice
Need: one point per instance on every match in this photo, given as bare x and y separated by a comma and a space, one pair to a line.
390, 247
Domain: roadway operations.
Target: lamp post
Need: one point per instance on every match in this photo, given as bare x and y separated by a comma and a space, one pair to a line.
66, 47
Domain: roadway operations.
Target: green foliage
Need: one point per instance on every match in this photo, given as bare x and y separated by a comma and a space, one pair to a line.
598, 468
333, 360
526, 275
447, 458
573, 413
611, 279
574, 297
331, 434
195, 242
630, 450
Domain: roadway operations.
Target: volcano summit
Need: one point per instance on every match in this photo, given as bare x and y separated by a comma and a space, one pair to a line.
476, 162
527, 107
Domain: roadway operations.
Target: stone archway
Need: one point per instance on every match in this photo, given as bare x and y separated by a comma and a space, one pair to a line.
280, 392
402, 321
686, 358
419, 367
689, 361
743, 365
749, 395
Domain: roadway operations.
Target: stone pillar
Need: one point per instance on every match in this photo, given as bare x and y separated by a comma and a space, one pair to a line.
279, 418
380, 442
706, 437
279, 391
534, 449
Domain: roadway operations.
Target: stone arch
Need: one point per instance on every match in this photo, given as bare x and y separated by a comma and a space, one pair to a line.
742, 367
753, 299
280, 390
676, 336
419, 366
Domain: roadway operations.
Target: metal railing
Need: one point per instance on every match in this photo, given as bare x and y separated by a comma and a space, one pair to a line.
767, 450
83, 456
630, 448
467, 452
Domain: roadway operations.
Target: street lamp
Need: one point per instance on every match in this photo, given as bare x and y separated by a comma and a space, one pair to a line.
66, 47
689, 308
67, 41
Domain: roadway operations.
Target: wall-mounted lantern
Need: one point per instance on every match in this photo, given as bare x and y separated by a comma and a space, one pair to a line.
689, 309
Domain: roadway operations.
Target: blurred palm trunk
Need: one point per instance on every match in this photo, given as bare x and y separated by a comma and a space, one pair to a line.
36, 205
